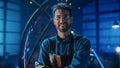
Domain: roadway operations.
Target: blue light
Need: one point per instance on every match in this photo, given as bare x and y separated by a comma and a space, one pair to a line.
115, 25
98, 59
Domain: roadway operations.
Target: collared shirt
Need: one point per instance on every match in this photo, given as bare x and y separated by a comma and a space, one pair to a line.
62, 46
79, 44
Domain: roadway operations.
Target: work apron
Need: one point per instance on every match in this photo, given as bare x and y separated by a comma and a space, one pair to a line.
60, 61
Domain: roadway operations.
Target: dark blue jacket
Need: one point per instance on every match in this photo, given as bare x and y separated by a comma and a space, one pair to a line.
79, 44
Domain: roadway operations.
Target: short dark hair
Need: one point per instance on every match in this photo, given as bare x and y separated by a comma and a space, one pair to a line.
62, 6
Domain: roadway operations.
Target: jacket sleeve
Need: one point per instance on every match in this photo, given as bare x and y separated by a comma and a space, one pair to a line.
81, 55
43, 58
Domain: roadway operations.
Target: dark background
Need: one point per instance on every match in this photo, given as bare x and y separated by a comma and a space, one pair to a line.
92, 18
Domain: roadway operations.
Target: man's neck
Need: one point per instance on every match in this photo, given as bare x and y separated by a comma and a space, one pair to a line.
64, 35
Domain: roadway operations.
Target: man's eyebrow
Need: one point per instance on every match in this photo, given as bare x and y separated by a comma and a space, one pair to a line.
62, 15
57, 15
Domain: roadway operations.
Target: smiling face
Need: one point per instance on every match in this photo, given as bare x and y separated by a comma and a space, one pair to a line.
62, 20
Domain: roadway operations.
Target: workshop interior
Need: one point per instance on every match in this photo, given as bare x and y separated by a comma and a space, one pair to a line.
24, 24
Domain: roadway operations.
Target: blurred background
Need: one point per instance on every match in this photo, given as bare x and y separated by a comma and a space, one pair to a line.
98, 20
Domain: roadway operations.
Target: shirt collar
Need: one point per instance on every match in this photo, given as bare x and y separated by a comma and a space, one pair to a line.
68, 39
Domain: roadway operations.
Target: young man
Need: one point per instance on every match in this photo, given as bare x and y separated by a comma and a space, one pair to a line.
64, 50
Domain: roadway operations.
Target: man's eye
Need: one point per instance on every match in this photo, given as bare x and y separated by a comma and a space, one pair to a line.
62, 16
58, 17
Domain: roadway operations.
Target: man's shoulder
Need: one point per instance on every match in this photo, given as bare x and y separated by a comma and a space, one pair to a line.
49, 39
52, 38
82, 40
47, 42
80, 37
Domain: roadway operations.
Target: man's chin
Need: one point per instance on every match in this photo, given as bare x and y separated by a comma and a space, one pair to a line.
63, 30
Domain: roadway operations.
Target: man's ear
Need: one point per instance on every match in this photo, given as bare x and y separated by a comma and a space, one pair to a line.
52, 21
53, 24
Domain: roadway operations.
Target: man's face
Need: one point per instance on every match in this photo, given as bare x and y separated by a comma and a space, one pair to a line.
62, 20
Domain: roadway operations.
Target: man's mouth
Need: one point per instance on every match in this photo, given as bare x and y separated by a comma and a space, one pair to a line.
63, 24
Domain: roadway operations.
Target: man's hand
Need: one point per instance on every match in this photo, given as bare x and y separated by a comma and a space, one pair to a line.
40, 66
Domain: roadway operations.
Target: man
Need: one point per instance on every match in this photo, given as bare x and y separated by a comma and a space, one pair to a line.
64, 50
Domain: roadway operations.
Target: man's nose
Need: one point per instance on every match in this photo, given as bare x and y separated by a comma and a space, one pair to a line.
62, 19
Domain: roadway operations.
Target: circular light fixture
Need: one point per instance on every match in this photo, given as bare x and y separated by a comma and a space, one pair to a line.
30, 2
70, 4
79, 8
66, 0
72, 31
115, 25
118, 50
